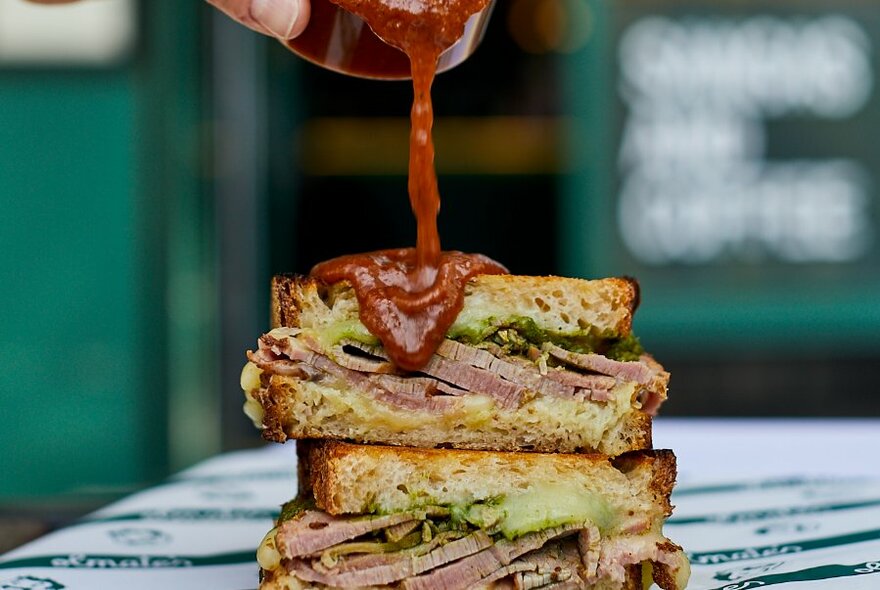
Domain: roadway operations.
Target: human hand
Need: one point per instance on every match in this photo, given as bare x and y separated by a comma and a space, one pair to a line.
283, 19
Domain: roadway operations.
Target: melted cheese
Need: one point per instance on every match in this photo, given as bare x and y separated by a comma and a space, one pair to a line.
268, 555
554, 504
250, 383
324, 411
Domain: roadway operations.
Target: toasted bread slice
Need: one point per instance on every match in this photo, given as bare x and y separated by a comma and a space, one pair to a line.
297, 389
361, 479
489, 386
289, 408
563, 307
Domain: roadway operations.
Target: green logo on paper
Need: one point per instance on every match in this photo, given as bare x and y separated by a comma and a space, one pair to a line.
83, 561
135, 537
813, 574
113, 562
733, 575
32, 583
743, 554
748, 553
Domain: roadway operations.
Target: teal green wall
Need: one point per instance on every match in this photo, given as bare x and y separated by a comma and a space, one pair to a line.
69, 388
104, 252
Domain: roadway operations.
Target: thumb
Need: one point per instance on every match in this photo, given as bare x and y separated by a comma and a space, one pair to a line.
284, 19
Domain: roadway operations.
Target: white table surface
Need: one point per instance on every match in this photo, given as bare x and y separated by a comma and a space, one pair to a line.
709, 449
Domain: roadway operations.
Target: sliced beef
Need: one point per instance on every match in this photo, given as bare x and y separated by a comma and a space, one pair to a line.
597, 384
368, 561
360, 363
653, 395
533, 541
473, 543
449, 389
315, 530
520, 371
625, 370
553, 566
431, 405
416, 386
273, 349
374, 350
470, 355
414, 393
618, 553
411, 386
555, 563
508, 395
393, 569
590, 559
459, 575
588, 542
503, 572
396, 567
456, 369
286, 346
287, 367
402, 392
472, 570
363, 363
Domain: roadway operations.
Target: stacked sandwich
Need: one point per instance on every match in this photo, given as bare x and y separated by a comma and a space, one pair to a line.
518, 457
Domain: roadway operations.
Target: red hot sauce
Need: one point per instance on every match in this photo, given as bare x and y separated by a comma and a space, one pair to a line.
409, 297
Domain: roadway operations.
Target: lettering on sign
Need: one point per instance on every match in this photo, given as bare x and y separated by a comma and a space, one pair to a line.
697, 186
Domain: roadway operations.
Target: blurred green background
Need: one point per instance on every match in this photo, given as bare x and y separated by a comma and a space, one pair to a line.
722, 152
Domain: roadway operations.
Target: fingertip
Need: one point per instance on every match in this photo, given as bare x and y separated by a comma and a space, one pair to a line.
302, 18
283, 19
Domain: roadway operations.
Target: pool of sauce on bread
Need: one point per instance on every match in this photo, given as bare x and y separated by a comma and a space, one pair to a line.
409, 297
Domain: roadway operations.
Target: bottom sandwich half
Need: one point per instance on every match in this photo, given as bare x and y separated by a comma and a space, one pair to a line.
416, 519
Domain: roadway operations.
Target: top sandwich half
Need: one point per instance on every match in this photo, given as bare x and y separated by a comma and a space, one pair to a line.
531, 363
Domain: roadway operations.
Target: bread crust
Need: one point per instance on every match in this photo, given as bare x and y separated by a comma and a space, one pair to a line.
286, 296
340, 482
608, 303
664, 472
303, 467
323, 454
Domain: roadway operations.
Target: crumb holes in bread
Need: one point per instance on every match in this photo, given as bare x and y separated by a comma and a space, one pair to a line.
542, 305
583, 324
324, 295
565, 317
403, 489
